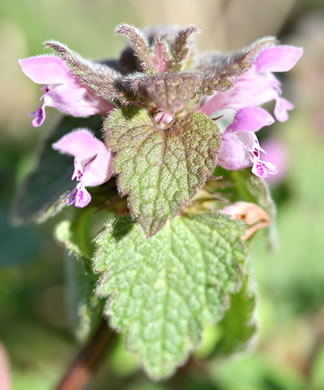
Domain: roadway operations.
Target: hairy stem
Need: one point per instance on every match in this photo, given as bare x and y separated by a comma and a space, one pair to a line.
88, 359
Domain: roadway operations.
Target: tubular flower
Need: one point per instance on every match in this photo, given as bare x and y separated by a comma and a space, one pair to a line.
92, 163
240, 147
258, 85
61, 90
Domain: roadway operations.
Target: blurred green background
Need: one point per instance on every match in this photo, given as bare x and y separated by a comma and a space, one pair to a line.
35, 333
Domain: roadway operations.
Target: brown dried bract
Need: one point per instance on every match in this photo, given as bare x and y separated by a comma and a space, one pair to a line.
250, 213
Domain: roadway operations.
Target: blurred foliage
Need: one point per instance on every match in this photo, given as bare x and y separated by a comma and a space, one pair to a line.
34, 326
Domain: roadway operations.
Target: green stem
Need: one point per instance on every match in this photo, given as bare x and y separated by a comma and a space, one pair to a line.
88, 359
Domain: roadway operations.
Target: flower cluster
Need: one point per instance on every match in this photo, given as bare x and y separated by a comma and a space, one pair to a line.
93, 163
240, 146
161, 72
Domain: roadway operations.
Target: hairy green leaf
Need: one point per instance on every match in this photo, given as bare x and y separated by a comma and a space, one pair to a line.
85, 309
160, 170
161, 291
42, 193
75, 235
238, 327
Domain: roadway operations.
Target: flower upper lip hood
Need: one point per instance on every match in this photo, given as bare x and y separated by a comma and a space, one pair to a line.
61, 90
258, 85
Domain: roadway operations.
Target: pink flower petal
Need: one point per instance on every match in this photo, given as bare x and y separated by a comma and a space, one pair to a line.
79, 196
278, 58
80, 143
71, 197
92, 157
250, 118
75, 100
258, 85
100, 169
281, 109
80, 165
250, 90
63, 91
39, 115
45, 69
250, 142
83, 197
264, 169
233, 154
163, 117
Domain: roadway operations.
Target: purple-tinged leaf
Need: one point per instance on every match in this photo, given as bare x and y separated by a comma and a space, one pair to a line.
182, 46
168, 92
102, 79
161, 56
139, 45
160, 170
253, 84
219, 71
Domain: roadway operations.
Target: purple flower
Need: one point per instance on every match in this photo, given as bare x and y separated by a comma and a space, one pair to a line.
240, 147
93, 164
258, 85
61, 90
